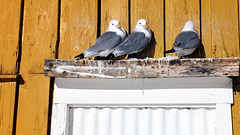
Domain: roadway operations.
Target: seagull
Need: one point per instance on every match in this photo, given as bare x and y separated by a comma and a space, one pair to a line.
186, 42
106, 42
136, 41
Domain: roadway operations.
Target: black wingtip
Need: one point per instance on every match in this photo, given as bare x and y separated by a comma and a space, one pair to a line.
169, 51
110, 56
80, 56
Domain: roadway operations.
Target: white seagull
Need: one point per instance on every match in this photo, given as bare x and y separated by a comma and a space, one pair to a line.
186, 42
136, 41
106, 42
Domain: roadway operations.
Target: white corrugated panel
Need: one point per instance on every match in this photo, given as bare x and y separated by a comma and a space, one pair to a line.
141, 121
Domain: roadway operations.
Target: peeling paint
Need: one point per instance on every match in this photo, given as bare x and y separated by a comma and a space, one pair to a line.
144, 68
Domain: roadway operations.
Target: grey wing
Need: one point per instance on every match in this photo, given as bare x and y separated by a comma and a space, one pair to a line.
106, 41
186, 40
135, 42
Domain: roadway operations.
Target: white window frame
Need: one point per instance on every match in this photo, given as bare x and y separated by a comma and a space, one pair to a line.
194, 92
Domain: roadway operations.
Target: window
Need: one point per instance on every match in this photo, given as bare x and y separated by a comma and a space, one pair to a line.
169, 106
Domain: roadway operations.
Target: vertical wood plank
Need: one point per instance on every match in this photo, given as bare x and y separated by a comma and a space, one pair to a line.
152, 11
236, 113
7, 101
206, 27
39, 34
78, 27
9, 35
220, 32
177, 13
236, 95
112, 9
32, 113
40, 24
236, 106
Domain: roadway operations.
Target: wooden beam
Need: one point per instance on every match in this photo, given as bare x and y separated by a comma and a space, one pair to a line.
145, 68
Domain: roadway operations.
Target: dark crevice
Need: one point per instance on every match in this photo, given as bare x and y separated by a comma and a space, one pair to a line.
238, 27
58, 30
200, 18
16, 106
200, 28
51, 89
20, 37
164, 29
18, 62
99, 19
52, 80
129, 16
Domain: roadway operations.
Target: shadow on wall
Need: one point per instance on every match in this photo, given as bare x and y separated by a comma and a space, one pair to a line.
149, 51
199, 52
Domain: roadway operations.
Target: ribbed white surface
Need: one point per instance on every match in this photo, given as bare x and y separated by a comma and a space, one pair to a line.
141, 121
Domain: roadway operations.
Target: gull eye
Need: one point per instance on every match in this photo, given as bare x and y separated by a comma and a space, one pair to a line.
140, 23
112, 24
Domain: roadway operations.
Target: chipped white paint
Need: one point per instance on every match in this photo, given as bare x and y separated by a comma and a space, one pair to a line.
168, 106
68, 69
92, 75
90, 67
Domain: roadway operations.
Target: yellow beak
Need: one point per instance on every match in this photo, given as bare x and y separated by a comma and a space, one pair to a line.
145, 26
118, 25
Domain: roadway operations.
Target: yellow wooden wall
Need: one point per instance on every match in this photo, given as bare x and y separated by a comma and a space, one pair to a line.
32, 30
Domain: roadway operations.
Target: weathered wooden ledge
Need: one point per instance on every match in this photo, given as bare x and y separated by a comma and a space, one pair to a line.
145, 68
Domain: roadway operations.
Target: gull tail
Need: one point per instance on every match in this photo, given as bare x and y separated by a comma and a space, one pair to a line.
80, 56
170, 51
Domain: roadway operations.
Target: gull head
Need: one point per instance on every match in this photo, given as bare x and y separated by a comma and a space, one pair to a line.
141, 24
114, 24
189, 26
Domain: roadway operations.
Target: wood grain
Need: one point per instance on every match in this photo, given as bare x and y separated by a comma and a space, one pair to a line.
7, 102
146, 68
152, 11
78, 27
177, 13
39, 34
33, 102
9, 76
10, 11
112, 9
39, 41
236, 113
220, 31
236, 106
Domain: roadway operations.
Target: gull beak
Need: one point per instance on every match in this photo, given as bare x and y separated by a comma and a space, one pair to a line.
145, 26
118, 25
